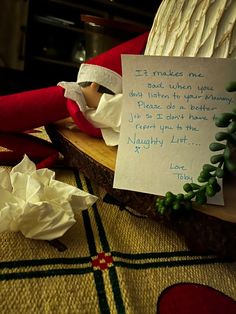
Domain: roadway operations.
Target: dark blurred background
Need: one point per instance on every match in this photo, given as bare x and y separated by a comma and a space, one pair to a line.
44, 42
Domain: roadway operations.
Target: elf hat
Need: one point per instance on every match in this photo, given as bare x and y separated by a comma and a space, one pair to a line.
105, 69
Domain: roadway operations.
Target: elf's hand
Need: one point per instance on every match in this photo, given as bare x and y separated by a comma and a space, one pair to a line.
92, 95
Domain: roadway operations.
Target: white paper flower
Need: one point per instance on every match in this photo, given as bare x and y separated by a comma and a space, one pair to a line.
33, 202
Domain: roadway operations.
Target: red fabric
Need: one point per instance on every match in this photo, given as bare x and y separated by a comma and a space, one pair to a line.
31, 109
38, 150
83, 124
111, 59
190, 298
23, 111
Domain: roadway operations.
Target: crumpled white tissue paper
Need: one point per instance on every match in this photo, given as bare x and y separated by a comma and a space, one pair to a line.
34, 203
106, 117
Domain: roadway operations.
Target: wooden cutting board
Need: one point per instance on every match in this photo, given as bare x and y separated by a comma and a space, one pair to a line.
97, 160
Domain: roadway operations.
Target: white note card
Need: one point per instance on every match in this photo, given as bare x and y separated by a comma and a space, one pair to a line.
168, 112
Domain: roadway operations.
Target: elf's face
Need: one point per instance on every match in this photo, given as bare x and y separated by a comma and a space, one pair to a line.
92, 95
93, 92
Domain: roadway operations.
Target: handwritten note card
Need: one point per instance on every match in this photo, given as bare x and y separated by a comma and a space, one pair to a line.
168, 113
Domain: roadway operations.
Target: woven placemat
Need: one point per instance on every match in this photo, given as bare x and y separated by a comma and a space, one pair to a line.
110, 261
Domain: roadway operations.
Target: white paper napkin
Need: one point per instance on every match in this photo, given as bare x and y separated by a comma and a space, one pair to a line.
107, 117
34, 203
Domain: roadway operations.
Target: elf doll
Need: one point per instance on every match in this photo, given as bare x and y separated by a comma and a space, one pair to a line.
93, 102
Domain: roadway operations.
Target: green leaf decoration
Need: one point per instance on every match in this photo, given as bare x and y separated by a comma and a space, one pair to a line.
208, 178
